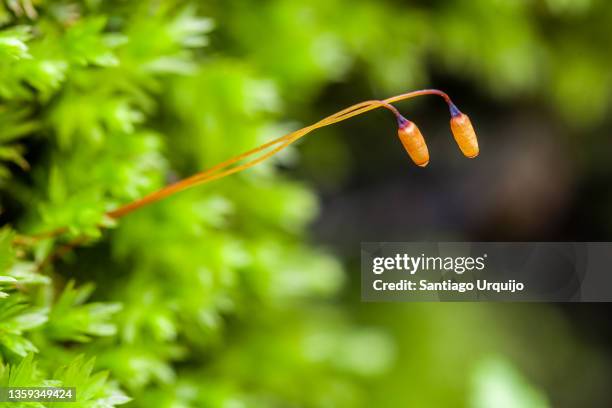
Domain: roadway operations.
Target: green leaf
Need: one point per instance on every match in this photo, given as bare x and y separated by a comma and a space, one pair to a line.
73, 319
24, 374
13, 43
93, 389
85, 43
17, 318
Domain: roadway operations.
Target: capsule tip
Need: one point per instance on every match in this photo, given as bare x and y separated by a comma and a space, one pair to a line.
454, 111
402, 122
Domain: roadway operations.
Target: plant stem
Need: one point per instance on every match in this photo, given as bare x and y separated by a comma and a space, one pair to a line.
221, 170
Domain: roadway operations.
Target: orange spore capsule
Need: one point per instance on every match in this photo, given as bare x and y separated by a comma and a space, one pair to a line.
464, 134
413, 141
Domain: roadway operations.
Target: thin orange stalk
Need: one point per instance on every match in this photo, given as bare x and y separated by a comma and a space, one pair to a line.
221, 170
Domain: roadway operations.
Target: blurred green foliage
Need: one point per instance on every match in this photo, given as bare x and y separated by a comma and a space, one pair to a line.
497, 384
214, 297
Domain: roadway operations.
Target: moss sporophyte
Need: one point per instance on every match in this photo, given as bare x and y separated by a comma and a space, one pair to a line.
409, 135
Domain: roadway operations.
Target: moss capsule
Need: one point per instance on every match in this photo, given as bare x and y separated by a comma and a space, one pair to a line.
412, 139
464, 134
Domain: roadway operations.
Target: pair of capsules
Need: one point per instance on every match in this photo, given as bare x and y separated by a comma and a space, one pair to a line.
414, 143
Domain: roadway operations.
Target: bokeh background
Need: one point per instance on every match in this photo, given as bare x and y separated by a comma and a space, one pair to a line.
245, 292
